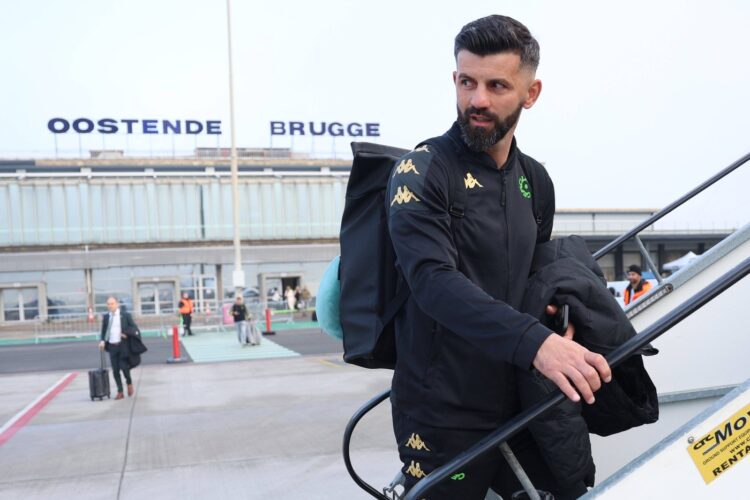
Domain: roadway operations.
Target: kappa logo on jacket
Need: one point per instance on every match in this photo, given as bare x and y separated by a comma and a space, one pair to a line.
405, 167
471, 182
415, 443
422, 149
415, 470
403, 195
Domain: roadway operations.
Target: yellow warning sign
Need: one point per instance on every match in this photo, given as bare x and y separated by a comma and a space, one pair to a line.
723, 447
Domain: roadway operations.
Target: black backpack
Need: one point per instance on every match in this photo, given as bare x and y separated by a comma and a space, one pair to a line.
372, 288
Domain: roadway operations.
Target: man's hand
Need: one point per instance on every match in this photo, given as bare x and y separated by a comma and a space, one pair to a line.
101, 345
563, 361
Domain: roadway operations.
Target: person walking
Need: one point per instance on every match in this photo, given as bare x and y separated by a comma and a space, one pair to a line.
186, 311
117, 324
239, 313
290, 298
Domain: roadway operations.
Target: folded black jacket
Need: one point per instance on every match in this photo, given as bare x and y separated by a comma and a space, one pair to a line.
564, 272
136, 347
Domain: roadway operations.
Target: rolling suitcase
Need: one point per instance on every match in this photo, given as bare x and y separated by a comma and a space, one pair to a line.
99, 381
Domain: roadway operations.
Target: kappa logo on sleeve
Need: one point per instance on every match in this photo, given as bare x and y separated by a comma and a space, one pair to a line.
405, 167
422, 149
403, 196
471, 182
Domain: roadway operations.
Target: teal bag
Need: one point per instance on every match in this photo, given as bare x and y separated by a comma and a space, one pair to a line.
327, 301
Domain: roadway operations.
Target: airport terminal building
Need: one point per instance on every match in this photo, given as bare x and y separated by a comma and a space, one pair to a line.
73, 232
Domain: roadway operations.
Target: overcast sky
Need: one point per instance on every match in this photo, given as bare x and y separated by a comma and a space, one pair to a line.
641, 100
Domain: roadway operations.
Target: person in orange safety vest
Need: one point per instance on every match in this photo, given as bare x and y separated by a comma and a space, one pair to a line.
186, 310
637, 287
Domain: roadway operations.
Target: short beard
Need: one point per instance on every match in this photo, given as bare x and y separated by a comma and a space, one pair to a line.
479, 139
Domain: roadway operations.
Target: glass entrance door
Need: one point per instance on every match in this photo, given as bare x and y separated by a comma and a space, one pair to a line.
207, 294
156, 298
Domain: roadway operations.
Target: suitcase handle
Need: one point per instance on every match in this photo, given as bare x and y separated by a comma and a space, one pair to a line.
101, 364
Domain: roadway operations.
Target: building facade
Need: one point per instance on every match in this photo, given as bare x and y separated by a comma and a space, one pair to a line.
73, 232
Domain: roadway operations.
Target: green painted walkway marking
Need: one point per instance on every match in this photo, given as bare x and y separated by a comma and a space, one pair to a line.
212, 347
289, 326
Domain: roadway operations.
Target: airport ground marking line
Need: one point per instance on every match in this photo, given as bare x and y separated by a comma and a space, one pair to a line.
328, 363
23, 417
127, 439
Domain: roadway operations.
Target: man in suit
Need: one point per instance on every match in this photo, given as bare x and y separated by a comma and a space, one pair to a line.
116, 326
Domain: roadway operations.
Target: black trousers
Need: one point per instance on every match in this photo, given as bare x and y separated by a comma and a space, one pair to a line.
118, 359
423, 448
186, 319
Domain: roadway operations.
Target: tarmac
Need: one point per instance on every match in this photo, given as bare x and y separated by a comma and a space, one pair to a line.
249, 428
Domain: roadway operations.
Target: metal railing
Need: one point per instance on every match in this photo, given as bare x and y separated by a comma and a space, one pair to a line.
661, 289
633, 233
280, 311
65, 326
77, 326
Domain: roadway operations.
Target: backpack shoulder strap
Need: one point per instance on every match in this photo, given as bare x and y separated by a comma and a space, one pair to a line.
456, 196
528, 171
541, 189
457, 200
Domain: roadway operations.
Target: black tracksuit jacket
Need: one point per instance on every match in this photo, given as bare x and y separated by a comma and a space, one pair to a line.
460, 334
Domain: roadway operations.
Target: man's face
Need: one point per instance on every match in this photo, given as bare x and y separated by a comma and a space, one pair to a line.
112, 304
491, 91
633, 278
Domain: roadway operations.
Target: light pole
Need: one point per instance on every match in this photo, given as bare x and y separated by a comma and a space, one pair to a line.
238, 275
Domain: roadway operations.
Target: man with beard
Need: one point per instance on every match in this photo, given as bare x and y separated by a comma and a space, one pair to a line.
463, 226
637, 286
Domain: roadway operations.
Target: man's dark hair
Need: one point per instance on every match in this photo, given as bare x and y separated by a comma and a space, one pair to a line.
496, 34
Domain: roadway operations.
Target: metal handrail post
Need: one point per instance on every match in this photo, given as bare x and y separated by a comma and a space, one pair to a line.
647, 257
520, 473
